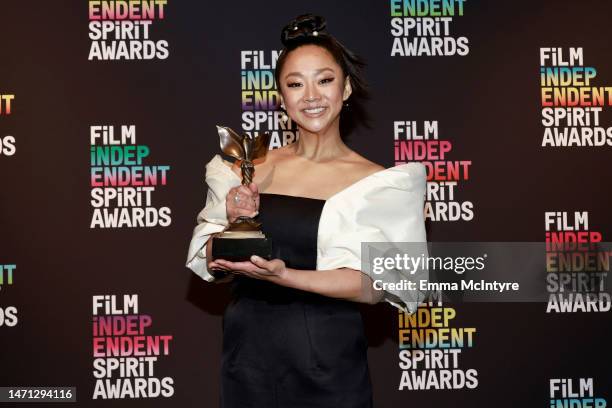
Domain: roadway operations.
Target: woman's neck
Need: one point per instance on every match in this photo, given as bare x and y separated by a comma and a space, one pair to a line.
321, 147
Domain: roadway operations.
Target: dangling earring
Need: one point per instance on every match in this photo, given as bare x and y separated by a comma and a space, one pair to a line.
284, 117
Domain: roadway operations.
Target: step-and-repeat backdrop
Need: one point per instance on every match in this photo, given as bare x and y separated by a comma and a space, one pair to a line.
107, 118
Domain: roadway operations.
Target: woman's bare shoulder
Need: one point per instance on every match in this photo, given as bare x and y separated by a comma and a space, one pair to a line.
360, 166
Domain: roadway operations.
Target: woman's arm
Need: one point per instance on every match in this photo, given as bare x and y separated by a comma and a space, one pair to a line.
209, 245
343, 283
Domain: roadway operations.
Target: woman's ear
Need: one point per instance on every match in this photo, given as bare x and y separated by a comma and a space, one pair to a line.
282, 102
348, 90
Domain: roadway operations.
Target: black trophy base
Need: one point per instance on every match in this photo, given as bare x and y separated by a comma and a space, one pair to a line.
241, 249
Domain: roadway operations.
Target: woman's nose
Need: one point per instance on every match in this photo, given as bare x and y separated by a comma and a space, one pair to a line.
311, 94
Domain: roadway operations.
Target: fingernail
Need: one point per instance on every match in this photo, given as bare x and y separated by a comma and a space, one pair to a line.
255, 258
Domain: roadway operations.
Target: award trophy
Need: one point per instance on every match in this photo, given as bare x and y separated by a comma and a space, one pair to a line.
243, 237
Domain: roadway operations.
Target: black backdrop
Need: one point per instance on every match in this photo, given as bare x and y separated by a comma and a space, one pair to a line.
487, 103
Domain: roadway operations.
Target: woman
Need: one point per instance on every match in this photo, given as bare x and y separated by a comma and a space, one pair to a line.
293, 336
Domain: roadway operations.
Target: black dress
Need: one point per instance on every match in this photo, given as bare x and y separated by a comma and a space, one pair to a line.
284, 347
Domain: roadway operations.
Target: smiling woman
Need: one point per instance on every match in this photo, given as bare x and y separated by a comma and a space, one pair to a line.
293, 336
313, 95
345, 67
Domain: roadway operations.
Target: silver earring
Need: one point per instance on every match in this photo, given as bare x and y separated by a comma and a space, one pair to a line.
284, 116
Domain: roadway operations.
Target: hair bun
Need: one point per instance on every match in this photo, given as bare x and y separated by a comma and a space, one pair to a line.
304, 26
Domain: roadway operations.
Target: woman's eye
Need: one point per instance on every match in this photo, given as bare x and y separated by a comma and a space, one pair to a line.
293, 84
326, 80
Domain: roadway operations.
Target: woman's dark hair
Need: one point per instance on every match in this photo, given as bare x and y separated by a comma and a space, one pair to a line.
310, 29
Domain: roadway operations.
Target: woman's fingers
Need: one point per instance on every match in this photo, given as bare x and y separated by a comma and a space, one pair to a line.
242, 197
216, 266
255, 190
247, 198
242, 201
244, 268
256, 267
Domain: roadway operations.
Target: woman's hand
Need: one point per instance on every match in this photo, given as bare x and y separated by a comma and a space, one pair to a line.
257, 268
341, 283
242, 201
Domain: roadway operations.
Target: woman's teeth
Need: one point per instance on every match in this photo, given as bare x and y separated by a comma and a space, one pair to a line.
314, 110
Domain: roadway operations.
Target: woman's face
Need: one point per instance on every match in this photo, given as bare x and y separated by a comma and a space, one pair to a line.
313, 88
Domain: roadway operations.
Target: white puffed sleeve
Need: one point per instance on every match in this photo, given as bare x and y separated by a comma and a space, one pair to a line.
385, 207
213, 217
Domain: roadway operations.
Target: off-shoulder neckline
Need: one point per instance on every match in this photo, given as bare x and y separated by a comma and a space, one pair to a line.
291, 196
349, 187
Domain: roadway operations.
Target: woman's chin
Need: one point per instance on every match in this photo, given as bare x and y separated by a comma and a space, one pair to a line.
312, 129
314, 125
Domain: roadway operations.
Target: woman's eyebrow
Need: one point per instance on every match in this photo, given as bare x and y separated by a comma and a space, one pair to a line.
316, 72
